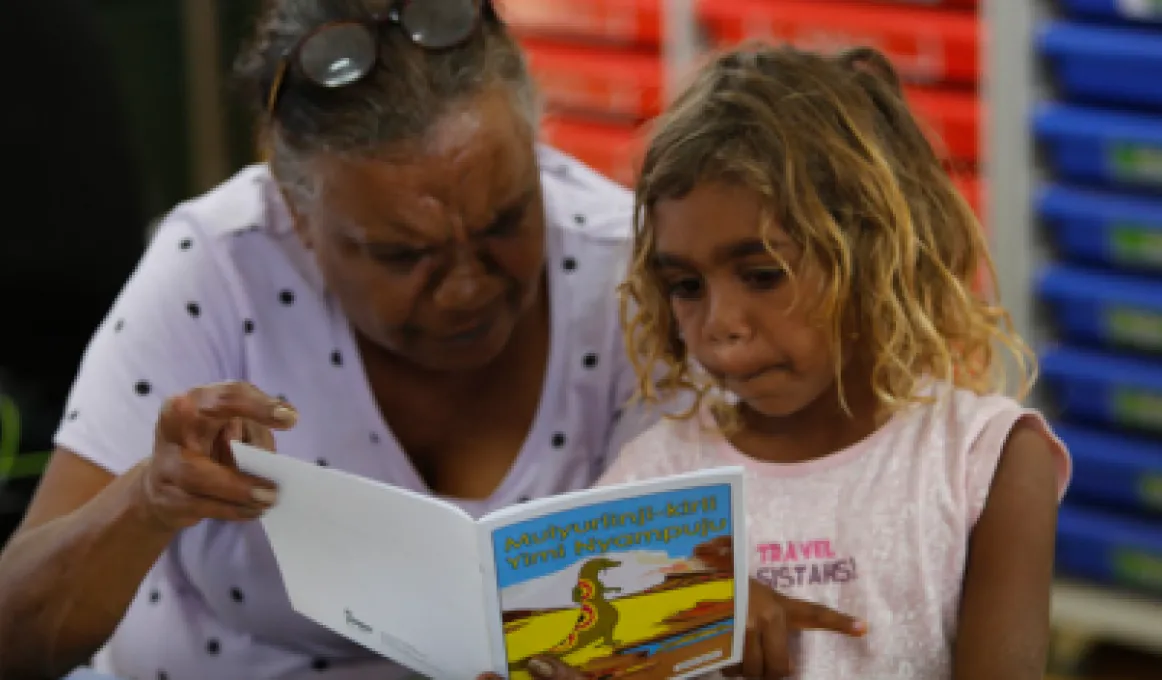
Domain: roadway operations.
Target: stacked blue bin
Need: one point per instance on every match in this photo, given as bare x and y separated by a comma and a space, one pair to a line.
1102, 210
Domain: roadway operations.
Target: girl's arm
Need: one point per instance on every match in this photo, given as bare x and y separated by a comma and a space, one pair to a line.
1004, 612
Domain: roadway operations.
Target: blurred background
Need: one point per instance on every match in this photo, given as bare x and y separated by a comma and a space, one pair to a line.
1049, 114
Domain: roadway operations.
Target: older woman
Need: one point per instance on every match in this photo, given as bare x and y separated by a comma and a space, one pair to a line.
412, 291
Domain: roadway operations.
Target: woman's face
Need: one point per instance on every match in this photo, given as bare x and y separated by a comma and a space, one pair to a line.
436, 252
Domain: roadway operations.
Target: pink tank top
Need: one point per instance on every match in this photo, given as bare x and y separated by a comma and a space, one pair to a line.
879, 530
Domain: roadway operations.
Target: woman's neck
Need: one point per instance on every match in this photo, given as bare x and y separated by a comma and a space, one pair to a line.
820, 429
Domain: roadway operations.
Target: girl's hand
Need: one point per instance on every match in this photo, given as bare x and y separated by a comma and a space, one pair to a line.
192, 475
772, 618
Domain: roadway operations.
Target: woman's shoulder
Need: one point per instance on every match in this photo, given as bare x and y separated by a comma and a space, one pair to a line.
246, 201
583, 204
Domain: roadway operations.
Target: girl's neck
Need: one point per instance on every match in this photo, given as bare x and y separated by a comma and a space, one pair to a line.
820, 429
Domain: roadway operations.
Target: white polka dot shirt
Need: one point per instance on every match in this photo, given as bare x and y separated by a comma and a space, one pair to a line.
225, 291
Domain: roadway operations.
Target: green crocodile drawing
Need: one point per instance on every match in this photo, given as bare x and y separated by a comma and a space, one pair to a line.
597, 617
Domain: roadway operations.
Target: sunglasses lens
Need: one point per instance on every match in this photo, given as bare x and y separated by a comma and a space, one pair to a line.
338, 55
437, 24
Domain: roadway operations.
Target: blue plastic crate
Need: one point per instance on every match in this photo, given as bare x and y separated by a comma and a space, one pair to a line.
1114, 310
1114, 469
1110, 549
1104, 147
1125, 10
1105, 388
1102, 227
1104, 64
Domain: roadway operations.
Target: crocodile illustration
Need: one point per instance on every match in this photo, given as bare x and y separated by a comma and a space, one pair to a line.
597, 618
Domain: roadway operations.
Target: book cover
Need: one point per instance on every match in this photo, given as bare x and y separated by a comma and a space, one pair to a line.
640, 587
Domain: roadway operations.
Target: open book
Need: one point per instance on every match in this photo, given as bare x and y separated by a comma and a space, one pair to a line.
621, 581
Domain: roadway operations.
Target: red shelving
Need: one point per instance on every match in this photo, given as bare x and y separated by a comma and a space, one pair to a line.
615, 82
927, 45
626, 22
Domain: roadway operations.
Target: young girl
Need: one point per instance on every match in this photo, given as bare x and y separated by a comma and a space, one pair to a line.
805, 267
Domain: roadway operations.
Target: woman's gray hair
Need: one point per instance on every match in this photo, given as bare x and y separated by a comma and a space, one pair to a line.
405, 95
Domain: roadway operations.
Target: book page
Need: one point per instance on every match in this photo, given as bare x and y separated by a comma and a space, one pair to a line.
616, 581
393, 570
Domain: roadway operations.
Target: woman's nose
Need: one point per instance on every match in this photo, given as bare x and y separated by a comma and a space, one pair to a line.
467, 286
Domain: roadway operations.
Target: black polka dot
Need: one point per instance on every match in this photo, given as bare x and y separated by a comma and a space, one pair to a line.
336, 358
559, 440
569, 264
119, 325
287, 297
73, 415
236, 595
374, 437
525, 499
579, 219
322, 462
162, 675
282, 398
248, 326
590, 360
213, 647
142, 388
154, 596
186, 244
320, 664
194, 309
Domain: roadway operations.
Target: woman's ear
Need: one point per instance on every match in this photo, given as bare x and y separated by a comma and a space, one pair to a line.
297, 218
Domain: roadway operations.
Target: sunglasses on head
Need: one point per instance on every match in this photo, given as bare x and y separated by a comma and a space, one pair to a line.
339, 53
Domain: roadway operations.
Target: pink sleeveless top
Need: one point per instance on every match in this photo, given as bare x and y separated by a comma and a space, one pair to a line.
879, 530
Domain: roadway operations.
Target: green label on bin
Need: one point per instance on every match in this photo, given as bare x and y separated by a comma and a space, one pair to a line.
1150, 491
1132, 244
1135, 327
1136, 163
1140, 9
1136, 568
1138, 408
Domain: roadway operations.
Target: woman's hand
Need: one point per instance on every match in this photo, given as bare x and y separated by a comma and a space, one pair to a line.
192, 475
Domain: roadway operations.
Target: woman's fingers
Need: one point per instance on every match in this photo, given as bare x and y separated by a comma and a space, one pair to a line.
243, 400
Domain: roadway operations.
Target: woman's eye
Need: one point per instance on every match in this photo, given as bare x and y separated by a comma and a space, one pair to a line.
684, 289
400, 260
508, 226
764, 279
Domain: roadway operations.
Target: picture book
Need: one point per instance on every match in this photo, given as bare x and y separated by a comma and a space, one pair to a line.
634, 581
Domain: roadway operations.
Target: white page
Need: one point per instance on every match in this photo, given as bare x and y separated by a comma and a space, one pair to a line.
341, 540
557, 582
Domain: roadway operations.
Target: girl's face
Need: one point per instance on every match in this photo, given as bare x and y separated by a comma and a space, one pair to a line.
739, 314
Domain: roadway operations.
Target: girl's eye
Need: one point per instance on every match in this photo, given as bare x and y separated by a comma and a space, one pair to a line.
684, 289
765, 278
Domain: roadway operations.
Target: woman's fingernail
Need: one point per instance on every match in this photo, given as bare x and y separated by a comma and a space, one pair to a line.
264, 496
541, 669
859, 626
285, 414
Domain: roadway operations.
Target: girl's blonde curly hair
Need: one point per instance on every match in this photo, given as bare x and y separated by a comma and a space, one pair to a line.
843, 167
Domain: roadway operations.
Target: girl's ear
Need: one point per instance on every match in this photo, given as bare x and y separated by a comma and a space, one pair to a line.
872, 62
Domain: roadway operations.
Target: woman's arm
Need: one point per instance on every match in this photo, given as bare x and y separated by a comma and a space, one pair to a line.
73, 567
89, 539
1004, 613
